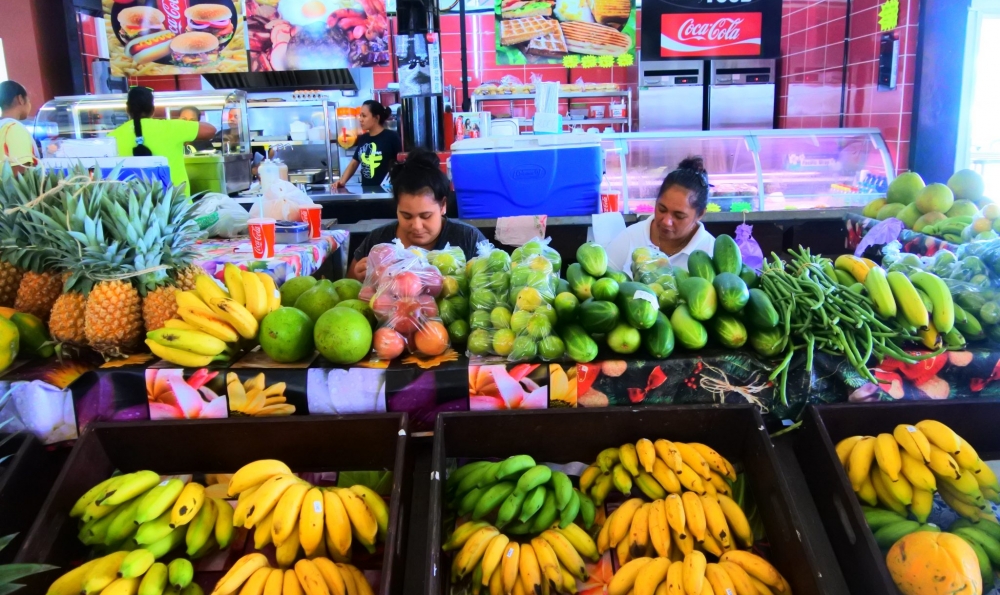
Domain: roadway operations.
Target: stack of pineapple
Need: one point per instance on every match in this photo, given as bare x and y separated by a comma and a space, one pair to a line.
99, 261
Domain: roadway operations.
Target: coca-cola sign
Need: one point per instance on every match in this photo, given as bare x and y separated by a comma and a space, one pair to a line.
718, 34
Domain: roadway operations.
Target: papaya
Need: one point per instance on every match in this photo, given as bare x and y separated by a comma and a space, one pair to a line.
659, 339
700, 265
732, 292
580, 283
597, 317
726, 255
700, 296
749, 277
759, 311
580, 347
593, 259
768, 342
690, 333
729, 330
928, 563
10, 342
35, 340
638, 304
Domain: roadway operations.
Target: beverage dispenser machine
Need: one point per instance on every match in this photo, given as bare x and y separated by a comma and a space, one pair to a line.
671, 95
741, 94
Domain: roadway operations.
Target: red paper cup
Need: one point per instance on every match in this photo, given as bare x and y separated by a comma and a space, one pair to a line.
611, 202
312, 214
262, 237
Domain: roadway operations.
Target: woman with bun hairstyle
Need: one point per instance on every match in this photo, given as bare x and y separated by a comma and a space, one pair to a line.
675, 228
420, 190
144, 136
376, 149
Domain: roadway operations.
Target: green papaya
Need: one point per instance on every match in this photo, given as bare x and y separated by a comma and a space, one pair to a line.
749, 277
638, 304
580, 283
593, 259
726, 255
580, 347
700, 265
732, 292
768, 342
596, 316
690, 333
700, 296
729, 330
759, 311
659, 339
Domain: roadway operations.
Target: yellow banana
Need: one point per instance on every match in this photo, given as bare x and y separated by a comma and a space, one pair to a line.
674, 507
622, 520
510, 566
470, 554
965, 484
71, 583
361, 584
762, 589
286, 512
717, 462
242, 570
756, 567
364, 527
588, 477
548, 563
198, 342
262, 531
742, 582
123, 586
332, 576
867, 492
885, 497
338, 523
567, 553
581, 541
270, 290
188, 503
923, 501
720, 484
639, 531
266, 497
349, 580
917, 473
690, 479
209, 323
694, 572
493, 556
602, 487
719, 579
907, 300
913, 441
256, 299
154, 581
853, 266
91, 496
966, 457
675, 578
716, 521
101, 575
623, 580
901, 488
693, 459
943, 306
622, 479
223, 523
233, 277
930, 337
694, 514
985, 477
650, 576
176, 323
860, 461
311, 521
623, 551
844, 448
288, 551
311, 579
376, 505
244, 504
568, 584
666, 477
604, 536
206, 287
659, 528
256, 473
178, 356
880, 293
666, 450
528, 571
236, 315
290, 584
943, 463
647, 454
274, 583
191, 300
737, 520
629, 458
684, 543
887, 455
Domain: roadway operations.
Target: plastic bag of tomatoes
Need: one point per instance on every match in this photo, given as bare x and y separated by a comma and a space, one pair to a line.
404, 291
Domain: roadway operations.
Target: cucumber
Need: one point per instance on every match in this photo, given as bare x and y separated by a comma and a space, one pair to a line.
659, 340
726, 255
700, 265
729, 330
732, 292
749, 277
759, 311
700, 296
690, 333
768, 342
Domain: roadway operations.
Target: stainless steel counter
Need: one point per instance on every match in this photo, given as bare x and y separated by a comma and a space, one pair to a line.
323, 194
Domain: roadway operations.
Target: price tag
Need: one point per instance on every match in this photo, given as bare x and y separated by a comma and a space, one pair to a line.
645, 295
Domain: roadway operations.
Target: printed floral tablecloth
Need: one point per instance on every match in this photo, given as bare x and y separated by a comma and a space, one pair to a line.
290, 260
913, 242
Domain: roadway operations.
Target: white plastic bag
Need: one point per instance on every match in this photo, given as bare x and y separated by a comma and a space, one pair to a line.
282, 201
220, 216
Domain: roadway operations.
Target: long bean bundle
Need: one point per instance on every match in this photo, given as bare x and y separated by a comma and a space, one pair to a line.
819, 313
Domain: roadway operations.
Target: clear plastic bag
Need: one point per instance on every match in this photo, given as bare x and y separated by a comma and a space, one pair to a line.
453, 302
281, 202
649, 264
219, 216
534, 278
489, 299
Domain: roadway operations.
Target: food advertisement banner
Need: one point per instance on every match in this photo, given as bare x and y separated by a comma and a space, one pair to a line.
316, 34
584, 33
681, 29
170, 37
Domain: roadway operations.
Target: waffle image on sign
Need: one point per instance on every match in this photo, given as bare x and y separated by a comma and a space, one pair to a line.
519, 9
594, 40
552, 45
518, 31
613, 13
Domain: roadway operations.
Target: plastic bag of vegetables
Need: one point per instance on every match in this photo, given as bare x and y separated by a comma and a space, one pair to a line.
453, 302
489, 299
534, 278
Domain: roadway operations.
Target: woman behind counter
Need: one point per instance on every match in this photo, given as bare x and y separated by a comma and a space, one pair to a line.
675, 228
377, 148
144, 136
420, 191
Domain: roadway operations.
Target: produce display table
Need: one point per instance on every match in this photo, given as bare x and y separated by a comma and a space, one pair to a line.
290, 260
913, 242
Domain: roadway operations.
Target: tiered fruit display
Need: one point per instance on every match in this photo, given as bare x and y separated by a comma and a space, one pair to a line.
453, 300
534, 278
956, 212
251, 575
128, 573
489, 302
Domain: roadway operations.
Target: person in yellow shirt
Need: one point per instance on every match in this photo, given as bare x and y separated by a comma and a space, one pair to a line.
145, 136
16, 144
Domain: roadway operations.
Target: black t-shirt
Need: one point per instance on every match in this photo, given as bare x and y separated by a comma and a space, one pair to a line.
376, 154
454, 233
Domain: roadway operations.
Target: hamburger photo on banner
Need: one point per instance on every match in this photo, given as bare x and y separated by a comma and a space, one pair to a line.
547, 31
169, 37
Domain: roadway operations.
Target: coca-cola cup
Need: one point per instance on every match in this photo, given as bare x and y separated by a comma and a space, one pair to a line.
610, 202
262, 237
312, 214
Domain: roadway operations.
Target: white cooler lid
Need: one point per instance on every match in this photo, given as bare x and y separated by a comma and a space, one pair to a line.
524, 143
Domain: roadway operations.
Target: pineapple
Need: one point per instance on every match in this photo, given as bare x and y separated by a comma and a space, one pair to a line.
66, 322
159, 306
185, 277
10, 278
37, 293
113, 318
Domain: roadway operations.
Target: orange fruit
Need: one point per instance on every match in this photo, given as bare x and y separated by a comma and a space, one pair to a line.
432, 338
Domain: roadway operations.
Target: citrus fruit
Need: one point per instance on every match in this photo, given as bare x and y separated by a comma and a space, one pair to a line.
294, 287
519, 320
479, 342
431, 338
343, 335
539, 326
361, 306
388, 344
318, 299
524, 349
286, 335
551, 347
503, 341
529, 299
347, 289
458, 332
500, 317
480, 319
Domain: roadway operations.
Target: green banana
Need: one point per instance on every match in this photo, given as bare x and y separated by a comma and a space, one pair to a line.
534, 477
158, 500
167, 544
954, 340
878, 517
588, 511
468, 502
510, 507
878, 288
489, 477
622, 479
568, 514
180, 572
136, 563
201, 529
908, 300
546, 515
985, 568
192, 589
649, 486
154, 530
971, 329
492, 498
989, 545
519, 528
930, 527
456, 476
515, 465
607, 458
991, 529
936, 289
98, 531
155, 580
926, 300
563, 488
470, 481
532, 503
890, 534
123, 526
136, 483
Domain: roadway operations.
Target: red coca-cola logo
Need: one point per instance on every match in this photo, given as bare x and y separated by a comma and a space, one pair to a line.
174, 11
710, 35
258, 240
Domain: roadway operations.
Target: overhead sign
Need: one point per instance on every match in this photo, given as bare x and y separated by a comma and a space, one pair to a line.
680, 29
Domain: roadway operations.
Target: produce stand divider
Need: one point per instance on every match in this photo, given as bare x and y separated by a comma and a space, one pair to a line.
737, 432
27, 477
351, 443
824, 426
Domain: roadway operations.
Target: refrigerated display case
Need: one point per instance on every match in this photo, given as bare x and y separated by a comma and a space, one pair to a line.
78, 126
754, 170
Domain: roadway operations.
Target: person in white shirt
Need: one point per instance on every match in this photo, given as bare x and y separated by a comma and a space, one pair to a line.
675, 227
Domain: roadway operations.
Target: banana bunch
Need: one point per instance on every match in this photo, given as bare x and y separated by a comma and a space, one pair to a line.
984, 537
675, 526
254, 398
658, 468
949, 229
128, 573
158, 515
736, 573
889, 527
519, 494
901, 471
551, 562
256, 291
291, 513
251, 575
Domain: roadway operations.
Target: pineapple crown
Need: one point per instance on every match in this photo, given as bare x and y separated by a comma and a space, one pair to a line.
24, 245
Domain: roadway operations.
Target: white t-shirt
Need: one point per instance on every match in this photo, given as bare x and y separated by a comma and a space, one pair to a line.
637, 236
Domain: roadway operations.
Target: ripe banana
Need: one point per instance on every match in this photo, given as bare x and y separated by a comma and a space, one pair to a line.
602, 487
588, 477
684, 543
122, 586
363, 524
275, 582
188, 503
530, 573
885, 497
338, 526
621, 520
607, 458
236, 315
917, 473
648, 485
694, 514
267, 496
943, 313
177, 323
510, 566
737, 520
650, 576
207, 287
548, 563
310, 521
158, 500
666, 477
91, 496
860, 461
270, 290
256, 473
716, 521
262, 531
717, 462
887, 455
334, 578
198, 342
180, 357
675, 578
130, 486
624, 580
154, 581
646, 452
233, 277
639, 532
907, 300
867, 492
878, 289
290, 584
286, 512
690, 479
923, 501
674, 508
844, 448
943, 463
666, 450
256, 299
853, 266
629, 458
694, 572
209, 323
693, 459
102, 574
288, 551
493, 556
242, 570
376, 505
581, 541
913, 441
659, 528
223, 523
966, 457
757, 568
742, 582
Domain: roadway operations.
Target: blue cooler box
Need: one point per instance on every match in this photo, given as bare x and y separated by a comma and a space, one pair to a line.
557, 175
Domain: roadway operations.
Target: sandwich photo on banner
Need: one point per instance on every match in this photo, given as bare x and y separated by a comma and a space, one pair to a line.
546, 32
169, 37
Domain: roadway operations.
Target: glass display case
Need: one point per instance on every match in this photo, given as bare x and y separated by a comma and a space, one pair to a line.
79, 126
754, 170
